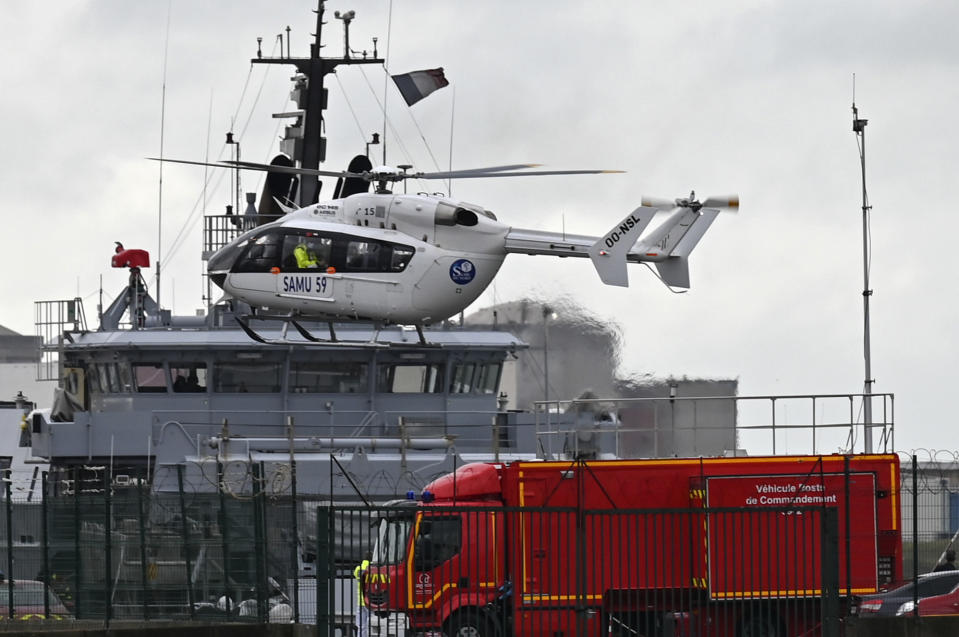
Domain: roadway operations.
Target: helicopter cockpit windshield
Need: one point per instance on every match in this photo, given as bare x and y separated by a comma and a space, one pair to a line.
223, 259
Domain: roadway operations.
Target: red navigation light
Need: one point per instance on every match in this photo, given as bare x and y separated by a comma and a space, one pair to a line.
132, 258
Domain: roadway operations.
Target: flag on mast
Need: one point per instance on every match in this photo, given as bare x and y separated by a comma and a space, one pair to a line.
416, 85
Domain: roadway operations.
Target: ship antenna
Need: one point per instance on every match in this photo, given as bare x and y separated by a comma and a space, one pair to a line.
859, 128
386, 76
166, 48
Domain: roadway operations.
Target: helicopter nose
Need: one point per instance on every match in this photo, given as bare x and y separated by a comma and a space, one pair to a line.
218, 278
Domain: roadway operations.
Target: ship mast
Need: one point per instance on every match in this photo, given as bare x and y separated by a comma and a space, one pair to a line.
304, 141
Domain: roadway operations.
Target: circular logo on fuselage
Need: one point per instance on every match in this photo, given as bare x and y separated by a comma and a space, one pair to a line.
462, 271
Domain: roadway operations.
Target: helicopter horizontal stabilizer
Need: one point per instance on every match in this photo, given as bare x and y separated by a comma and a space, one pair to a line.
609, 252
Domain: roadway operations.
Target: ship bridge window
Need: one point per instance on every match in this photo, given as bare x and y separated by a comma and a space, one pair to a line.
475, 378
318, 377
410, 378
124, 377
149, 377
487, 378
109, 378
188, 377
241, 378
262, 254
93, 380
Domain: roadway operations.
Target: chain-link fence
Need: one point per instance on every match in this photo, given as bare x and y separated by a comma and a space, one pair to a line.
93, 549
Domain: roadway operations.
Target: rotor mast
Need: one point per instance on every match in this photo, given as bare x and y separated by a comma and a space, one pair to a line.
859, 128
312, 101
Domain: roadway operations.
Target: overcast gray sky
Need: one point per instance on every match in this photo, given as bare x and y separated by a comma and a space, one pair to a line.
751, 97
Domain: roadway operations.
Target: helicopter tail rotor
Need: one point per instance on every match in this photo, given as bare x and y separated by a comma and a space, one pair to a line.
728, 203
670, 245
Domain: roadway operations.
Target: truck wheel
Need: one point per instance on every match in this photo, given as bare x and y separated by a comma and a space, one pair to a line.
469, 622
760, 625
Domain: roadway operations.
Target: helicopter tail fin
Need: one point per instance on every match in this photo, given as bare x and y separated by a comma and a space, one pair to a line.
674, 272
677, 246
608, 253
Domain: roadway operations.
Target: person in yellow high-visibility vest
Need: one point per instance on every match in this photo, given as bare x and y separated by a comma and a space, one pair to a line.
362, 610
305, 256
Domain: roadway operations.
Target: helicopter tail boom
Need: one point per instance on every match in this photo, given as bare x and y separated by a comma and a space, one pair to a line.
668, 245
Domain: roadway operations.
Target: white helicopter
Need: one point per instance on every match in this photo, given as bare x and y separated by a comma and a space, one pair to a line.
419, 259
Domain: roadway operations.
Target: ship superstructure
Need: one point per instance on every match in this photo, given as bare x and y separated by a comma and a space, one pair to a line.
369, 411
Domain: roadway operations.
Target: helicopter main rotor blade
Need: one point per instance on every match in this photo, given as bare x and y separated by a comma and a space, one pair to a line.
488, 169
533, 173
247, 165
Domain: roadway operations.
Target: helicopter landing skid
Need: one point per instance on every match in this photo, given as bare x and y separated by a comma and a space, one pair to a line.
310, 337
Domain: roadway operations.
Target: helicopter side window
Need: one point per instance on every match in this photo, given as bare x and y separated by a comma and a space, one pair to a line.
262, 255
400, 257
306, 251
363, 256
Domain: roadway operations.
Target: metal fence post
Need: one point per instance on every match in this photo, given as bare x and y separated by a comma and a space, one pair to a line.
143, 552
186, 544
224, 537
7, 477
108, 537
324, 568
77, 556
915, 536
45, 521
830, 572
258, 544
294, 523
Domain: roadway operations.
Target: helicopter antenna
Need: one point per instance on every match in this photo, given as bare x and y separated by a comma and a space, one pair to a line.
859, 128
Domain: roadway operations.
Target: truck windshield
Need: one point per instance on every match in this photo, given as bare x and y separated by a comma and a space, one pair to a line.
391, 540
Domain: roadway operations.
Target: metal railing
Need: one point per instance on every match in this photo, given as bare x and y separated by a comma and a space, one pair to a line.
219, 230
713, 426
52, 319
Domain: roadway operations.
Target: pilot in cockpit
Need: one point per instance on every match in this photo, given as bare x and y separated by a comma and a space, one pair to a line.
305, 254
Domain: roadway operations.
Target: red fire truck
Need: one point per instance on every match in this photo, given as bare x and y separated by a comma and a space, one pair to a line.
700, 546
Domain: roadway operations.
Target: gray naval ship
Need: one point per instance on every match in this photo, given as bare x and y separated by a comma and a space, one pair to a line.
368, 412
260, 423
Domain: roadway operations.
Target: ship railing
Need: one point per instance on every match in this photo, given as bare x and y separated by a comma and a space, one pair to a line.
52, 321
219, 230
713, 426
247, 431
